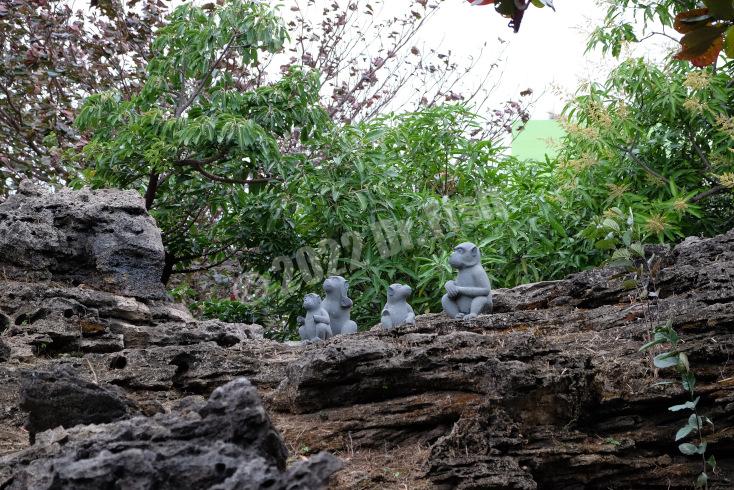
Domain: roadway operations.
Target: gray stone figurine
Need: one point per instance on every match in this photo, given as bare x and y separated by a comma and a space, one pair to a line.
338, 305
397, 311
470, 294
316, 324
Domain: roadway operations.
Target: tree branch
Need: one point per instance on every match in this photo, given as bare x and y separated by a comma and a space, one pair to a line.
202, 268
150, 192
638, 161
206, 253
717, 189
699, 151
198, 165
228, 180
202, 83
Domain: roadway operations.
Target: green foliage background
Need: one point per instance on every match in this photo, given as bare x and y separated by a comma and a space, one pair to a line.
262, 176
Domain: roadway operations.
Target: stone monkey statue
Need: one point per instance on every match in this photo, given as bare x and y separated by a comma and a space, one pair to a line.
397, 311
470, 294
337, 304
316, 324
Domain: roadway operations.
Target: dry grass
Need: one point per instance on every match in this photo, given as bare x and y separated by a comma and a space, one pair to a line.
13, 439
398, 468
393, 467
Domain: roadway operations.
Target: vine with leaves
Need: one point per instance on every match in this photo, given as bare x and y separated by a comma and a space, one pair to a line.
619, 231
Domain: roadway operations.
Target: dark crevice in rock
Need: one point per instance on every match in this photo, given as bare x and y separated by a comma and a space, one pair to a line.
55, 345
5, 322
118, 362
22, 319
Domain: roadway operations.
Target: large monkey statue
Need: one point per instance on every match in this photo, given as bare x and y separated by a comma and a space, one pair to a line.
470, 294
338, 305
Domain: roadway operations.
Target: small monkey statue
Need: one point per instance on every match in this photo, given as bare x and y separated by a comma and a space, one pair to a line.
316, 324
338, 305
470, 294
397, 311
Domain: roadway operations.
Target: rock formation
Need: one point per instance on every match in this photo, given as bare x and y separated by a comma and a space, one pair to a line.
102, 239
224, 443
81, 300
550, 391
59, 398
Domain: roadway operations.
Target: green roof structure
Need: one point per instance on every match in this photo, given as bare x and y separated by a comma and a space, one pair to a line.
538, 139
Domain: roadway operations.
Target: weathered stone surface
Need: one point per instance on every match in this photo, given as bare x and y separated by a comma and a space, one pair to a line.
223, 334
4, 351
548, 392
59, 397
551, 392
12, 418
226, 443
103, 239
43, 320
196, 368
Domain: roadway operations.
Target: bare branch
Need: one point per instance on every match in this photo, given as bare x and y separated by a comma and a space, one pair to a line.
638, 161
718, 189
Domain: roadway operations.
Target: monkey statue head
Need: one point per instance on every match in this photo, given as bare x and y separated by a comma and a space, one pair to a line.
338, 285
465, 255
397, 292
311, 302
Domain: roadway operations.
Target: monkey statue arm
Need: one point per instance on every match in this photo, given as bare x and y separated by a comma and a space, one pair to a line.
452, 289
474, 292
479, 284
410, 319
386, 319
321, 319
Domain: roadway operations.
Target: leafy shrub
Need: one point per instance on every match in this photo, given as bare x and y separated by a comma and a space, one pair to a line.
657, 140
229, 311
387, 200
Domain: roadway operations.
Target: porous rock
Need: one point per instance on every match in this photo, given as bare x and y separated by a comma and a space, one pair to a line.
59, 397
226, 443
103, 239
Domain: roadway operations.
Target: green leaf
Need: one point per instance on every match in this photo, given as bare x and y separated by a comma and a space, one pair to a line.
606, 244
610, 223
688, 449
623, 263
627, 238
629, 284
729, 42
684, 406
702, 480
683, 432
695, 421
658, 339
638, 249
711, 462
665, 335
688, 379
543, 3
666, 360
721, 9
